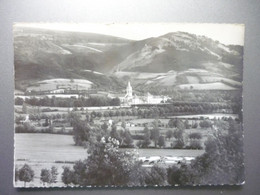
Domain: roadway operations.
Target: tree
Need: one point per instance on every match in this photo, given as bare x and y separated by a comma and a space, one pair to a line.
224, 152
93, 114
205, 124
157, 176
117, 113
178, 134
24, 108
99, 114
106, 165
123, 125
49, 176
177, 123
79, 173
127, 139
179, 144
81, 133
146, 142
114, 133
161, 141
115, 102
195, 125
195, 135
128, 113
134, 112
174, 175
184, 175
73, 118
54, 174
19, 101
26, 174
104, 126
155, 134
186, 124
140, 113
169, 134
123, 113
46, 123
195, 144
106, 114
67, 175
222, 162
45, 176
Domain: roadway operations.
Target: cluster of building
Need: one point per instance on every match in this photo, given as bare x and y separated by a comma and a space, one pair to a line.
127, 99
130, 99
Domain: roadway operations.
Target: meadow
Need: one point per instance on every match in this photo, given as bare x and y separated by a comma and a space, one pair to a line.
38, 147
47, 148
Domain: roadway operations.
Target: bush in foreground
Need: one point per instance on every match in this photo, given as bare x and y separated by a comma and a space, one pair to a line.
26, 174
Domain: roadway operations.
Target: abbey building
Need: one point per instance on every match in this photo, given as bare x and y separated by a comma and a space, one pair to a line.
130, 99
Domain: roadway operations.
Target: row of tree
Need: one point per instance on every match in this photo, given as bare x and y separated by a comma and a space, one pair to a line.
197, 96
26, 174
69, 102
85, 131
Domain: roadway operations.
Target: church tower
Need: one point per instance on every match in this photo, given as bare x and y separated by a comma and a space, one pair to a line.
129, 90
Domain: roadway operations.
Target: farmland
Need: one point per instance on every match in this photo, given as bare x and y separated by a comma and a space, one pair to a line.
47, 147
52, 84
51, 147
208, 86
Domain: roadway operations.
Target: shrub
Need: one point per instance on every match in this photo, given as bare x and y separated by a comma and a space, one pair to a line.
194, 144
157, 176
205, 124
179, 144
25, 128
195, 136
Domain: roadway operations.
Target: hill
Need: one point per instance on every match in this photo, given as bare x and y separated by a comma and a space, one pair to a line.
108, 62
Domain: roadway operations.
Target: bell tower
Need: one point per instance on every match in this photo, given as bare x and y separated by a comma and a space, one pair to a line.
129, 90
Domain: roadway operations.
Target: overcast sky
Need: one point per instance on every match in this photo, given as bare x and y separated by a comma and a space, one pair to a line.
224, 33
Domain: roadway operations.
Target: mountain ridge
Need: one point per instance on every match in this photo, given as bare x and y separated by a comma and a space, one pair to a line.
40, 55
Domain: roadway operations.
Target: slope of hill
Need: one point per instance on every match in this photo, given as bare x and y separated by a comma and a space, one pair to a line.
44, 54
170, 60
180, 51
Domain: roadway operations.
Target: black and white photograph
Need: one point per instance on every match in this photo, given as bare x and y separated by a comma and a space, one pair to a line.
128, 104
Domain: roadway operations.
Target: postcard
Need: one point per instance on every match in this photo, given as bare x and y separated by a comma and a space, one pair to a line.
135, 104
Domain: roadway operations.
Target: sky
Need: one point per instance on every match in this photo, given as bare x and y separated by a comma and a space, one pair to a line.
224, 33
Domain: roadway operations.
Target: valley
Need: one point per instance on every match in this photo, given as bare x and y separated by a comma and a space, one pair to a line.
93, 106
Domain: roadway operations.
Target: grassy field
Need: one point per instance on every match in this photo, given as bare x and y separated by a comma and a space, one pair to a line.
51, 84
47, 147
37, 147
207, 86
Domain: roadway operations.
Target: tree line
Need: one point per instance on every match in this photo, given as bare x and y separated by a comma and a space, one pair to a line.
68, 102
26, 174
87, 131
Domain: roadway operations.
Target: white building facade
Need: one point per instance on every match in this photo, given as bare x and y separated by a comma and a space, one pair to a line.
130, 99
